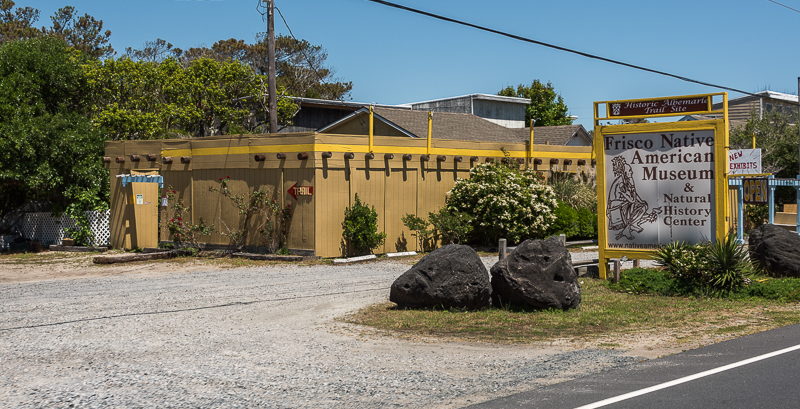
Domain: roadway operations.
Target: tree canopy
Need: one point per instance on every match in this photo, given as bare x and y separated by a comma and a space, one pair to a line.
300, 65
547, 107
84, 33
777, 135
150, 100
63, 93
49, 150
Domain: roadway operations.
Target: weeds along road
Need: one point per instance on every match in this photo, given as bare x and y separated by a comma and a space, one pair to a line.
246, 337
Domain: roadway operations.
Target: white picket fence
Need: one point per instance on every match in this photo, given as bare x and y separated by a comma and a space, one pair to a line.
45, 228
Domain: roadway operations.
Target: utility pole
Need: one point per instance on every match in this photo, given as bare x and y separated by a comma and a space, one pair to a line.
271, 85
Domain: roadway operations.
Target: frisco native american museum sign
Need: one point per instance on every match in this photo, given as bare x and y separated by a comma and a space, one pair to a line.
659, 182
660, 188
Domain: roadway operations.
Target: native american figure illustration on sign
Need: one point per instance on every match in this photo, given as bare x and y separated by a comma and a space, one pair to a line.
626, 210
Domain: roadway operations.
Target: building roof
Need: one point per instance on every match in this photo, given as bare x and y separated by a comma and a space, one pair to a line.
488, 97
339, 104
466, 127
553, 135
766, 94
448, 125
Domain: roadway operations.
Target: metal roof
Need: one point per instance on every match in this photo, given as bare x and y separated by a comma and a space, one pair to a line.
489, 97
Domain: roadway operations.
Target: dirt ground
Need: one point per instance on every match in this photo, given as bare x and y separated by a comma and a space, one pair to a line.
20, 268
57, 265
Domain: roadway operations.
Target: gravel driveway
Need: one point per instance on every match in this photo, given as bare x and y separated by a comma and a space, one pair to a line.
245, 338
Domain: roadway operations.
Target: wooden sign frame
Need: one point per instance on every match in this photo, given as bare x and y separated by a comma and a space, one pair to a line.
720, 128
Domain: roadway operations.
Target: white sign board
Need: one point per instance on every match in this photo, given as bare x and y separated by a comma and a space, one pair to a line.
744, 161
659, 188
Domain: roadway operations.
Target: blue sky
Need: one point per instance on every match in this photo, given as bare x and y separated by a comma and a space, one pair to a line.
394, 57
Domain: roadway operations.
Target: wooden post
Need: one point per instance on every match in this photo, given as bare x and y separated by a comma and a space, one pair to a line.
502, 248
636, 263
272, 87
617, 268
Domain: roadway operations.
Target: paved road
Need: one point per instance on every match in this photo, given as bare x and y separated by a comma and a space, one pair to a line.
769, 382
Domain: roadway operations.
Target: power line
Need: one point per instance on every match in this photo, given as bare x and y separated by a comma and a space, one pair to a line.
302, 50
784, 5
560, 48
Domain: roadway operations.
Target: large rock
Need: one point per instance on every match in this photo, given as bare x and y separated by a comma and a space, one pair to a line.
451, 276
776, 249
538, 274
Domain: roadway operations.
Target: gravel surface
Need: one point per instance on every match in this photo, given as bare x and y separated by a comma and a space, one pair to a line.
245, 338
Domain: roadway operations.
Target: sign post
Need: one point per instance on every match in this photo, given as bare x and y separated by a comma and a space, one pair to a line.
660, 182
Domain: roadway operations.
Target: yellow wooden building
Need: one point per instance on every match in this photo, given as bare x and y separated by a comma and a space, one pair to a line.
399, 161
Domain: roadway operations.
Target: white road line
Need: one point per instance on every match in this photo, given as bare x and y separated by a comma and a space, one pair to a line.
640, 392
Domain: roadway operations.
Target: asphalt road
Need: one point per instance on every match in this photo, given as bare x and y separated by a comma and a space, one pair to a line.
710, 377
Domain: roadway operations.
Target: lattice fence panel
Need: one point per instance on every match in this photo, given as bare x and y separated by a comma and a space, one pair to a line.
47, 229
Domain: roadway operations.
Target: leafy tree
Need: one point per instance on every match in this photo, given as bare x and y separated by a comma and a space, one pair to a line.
299, 64
84, 33
547, 107
777, 137
154, 51
49, 150
17, 24
150, 100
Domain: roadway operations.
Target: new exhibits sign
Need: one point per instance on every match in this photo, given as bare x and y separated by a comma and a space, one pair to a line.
659, 188
744, 161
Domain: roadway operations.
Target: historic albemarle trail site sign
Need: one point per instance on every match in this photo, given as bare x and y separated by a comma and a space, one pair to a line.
660, 182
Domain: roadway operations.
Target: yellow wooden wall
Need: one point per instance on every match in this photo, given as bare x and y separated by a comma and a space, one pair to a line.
393, 186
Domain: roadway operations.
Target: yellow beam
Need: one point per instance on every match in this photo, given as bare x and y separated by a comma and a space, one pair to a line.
371, 126
530, 141
324, 147
430, 131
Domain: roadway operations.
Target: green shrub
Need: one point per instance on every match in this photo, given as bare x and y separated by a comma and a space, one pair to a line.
587, 224
450, 226
685, 263
728, 264
504, 202
755, 215
646, 281
566, 222
780, 289
578, 191
360, 229
421, 231
717, 269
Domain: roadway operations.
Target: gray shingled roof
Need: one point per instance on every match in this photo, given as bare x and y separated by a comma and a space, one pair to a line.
468, 127
552, 135
448, 125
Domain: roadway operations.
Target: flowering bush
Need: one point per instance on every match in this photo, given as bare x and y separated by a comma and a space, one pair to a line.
504, 202
184, 233
257, 212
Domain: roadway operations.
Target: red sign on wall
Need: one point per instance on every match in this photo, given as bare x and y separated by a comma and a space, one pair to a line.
300, 191
662, 106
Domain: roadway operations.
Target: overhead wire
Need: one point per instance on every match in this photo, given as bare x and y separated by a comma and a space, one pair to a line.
302, 50
784, 5
562, 48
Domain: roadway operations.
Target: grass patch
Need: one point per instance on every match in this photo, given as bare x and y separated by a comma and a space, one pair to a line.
733, 329
603, 312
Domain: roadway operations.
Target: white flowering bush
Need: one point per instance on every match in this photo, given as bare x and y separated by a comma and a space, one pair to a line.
505, 202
